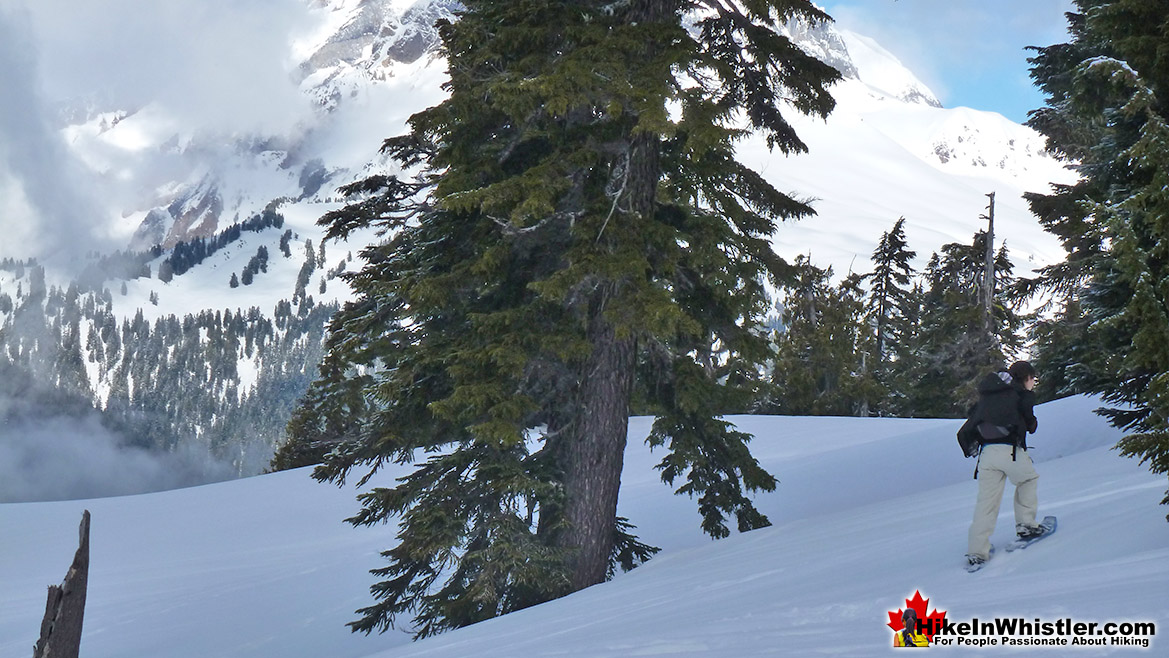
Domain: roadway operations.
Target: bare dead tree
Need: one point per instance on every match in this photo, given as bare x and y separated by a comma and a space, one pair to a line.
988, 271
61, 627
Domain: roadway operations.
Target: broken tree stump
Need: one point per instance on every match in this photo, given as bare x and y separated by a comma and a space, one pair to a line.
61, 627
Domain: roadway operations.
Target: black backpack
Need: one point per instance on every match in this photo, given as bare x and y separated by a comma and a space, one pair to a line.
969, 438
974, 432
977, 430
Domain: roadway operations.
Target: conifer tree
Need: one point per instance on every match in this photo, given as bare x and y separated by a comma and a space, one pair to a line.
1138, 225
823, 365
888, 288
888, 303
953, 348
569, 231
1112, 80
1079, 134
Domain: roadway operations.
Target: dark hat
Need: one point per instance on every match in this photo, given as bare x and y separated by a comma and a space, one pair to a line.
1021, 370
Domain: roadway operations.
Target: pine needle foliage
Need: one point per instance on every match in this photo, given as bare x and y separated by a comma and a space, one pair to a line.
825, 354
577, 229
1107, 92
1077, 135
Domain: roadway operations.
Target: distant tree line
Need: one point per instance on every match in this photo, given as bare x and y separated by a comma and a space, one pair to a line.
189, 253
893, 342
223, 380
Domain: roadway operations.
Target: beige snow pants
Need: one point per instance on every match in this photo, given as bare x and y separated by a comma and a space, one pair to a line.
995, 466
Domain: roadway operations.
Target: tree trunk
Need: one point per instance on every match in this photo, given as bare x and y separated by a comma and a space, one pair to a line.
882, 321
596, 454
988, 272
64, 612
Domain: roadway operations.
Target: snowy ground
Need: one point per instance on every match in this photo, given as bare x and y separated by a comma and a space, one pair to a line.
868, 512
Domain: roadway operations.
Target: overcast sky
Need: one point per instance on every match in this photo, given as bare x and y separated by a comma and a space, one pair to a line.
218, 64
969, 52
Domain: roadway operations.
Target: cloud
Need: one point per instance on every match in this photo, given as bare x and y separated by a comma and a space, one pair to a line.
54, 445
63, 458
215, 65
46, 205
213, 68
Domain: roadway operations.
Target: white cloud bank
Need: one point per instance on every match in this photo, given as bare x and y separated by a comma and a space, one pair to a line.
212, 68
61, 458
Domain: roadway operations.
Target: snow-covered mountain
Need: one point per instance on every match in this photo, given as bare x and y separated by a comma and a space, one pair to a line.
888, 150
362, 67
868, 512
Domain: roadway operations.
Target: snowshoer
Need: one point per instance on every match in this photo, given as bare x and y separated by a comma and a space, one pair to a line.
1006, 413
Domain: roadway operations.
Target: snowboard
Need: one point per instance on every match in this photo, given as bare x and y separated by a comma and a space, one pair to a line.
1048, 526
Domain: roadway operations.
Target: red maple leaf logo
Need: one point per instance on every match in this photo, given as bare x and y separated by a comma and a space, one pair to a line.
929, 624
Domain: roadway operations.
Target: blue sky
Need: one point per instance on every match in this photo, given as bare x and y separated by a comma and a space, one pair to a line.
969, 52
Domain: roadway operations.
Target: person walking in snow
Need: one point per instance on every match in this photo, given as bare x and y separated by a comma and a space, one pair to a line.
1005, 409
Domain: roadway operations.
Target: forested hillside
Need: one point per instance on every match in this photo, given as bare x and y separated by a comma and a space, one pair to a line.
220, 379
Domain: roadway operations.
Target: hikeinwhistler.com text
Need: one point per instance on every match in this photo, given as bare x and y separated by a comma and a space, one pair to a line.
1019, 632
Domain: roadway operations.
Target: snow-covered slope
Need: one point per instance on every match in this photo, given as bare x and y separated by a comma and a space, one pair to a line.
868, 512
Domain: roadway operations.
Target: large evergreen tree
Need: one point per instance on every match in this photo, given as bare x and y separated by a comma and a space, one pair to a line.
579, 220
1107, 92
1063, 350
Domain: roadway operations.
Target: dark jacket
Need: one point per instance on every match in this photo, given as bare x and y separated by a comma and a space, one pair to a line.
1006, 410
